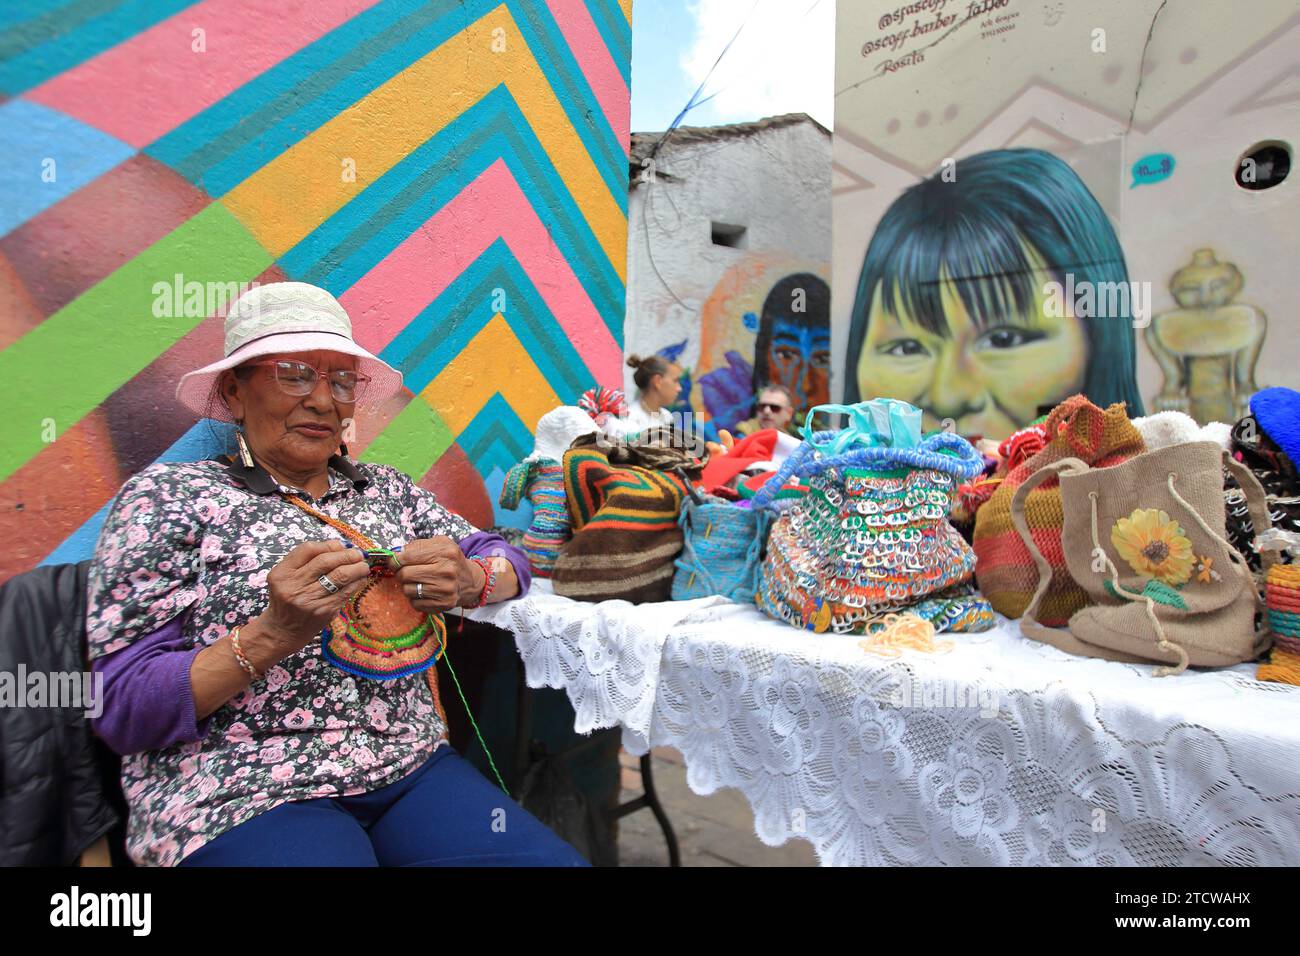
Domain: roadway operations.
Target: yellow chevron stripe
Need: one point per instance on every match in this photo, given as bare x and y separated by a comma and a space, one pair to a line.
627, 9
461, 390
293, 194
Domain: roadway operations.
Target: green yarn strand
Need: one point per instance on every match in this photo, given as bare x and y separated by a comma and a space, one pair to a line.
468, 713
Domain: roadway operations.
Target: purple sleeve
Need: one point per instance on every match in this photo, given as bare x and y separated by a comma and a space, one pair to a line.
148, 703
484, 544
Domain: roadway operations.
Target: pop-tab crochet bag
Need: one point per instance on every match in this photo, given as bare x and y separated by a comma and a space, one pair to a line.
872, 535
722, 550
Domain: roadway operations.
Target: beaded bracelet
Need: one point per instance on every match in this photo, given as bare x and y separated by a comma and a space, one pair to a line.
243, 660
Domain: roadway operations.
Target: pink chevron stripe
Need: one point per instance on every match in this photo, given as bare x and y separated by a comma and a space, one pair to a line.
388, 297
153, 82
597, 65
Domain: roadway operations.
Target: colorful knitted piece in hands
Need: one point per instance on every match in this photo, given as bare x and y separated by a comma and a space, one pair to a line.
1282, 595
542, 482
378, 634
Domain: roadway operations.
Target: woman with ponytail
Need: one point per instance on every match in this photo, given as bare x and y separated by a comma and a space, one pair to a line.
658, 385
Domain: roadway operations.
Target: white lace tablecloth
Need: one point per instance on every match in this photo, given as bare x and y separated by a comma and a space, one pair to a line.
1000, 751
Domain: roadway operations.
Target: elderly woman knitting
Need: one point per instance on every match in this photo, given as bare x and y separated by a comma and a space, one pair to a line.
266, 672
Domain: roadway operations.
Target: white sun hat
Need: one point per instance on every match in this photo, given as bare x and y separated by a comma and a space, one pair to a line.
285, 317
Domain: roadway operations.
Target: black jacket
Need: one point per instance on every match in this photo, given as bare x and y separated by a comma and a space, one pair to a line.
56, 782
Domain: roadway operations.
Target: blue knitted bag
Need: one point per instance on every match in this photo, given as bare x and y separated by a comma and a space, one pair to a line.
722, 552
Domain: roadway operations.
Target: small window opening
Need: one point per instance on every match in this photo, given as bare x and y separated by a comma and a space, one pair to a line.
734, 237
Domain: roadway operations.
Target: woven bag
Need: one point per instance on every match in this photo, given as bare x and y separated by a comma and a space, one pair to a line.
625, 533
1146, 539
722, 551
1007, 575
872, 534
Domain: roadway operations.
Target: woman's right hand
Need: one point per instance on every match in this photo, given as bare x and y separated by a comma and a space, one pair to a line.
299, 604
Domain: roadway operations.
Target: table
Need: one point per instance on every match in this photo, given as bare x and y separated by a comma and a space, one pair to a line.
1000, 751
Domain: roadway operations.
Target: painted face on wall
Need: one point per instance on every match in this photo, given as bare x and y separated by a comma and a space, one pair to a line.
989, 380
800, 359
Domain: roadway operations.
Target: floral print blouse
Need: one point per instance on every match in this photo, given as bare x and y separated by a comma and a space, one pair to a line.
197, 539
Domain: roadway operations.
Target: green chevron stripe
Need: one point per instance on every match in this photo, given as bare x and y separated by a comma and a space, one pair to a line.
413, 441
68, 365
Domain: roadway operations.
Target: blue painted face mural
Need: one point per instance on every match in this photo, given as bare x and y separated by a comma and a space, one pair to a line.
800, 359
794, 340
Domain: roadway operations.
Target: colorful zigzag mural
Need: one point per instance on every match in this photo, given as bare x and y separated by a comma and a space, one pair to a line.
453, 170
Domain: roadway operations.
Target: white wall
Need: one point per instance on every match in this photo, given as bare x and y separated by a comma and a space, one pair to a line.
774, 181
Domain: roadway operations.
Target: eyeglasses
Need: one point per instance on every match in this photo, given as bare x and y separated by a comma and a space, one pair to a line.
299, 378
770, 407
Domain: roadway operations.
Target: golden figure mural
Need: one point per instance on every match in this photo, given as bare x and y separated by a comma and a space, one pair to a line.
1207, 348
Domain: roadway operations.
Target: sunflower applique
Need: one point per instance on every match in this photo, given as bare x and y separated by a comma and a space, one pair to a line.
1155, 546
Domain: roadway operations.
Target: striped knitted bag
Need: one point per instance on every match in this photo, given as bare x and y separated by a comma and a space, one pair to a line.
1005, 571
625, 533
541, 481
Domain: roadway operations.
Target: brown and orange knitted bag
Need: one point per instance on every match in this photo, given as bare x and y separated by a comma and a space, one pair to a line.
1004, 570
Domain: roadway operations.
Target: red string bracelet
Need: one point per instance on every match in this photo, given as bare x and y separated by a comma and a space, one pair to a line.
489, 583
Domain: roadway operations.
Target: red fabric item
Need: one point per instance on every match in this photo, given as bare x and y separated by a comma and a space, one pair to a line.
750, 450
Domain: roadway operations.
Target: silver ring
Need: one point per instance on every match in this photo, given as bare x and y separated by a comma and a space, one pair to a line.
327, 584
419, 590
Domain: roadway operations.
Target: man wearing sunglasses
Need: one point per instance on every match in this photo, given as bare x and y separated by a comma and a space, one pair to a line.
774, 408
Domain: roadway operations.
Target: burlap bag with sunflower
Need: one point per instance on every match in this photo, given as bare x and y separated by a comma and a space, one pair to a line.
1146, 540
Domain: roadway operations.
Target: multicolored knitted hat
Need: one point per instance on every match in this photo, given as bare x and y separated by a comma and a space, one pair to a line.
602, 403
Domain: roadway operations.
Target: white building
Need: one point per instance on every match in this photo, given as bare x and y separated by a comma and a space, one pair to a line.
717, 216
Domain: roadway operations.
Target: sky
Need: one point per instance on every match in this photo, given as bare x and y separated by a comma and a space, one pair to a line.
783, 61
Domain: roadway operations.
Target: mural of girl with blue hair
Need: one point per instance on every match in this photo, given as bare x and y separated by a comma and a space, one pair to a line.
952, 311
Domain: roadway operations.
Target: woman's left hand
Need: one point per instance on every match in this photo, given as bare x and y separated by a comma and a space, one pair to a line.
446, 578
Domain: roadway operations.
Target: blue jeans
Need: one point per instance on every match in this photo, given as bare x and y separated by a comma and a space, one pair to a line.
444, 813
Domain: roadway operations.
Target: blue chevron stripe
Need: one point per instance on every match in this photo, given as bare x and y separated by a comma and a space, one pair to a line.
616, 32
30, 135
66, 12
543, 36
495, 438
521, 517
447, 325
36, 49
228, 142
357, 237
